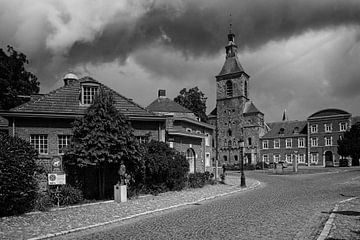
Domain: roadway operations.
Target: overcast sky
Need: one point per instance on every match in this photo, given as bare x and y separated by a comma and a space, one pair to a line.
302, 55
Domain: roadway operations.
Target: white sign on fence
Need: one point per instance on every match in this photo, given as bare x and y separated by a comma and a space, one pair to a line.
57, 178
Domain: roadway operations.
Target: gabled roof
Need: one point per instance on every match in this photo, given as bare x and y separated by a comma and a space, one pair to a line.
250, 108
287, 128
65, 100
166, 105
231, 65
328, 112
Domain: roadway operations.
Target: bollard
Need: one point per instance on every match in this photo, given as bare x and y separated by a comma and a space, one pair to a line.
120, 193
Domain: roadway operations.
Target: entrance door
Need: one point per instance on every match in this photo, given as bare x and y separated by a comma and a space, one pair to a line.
190, 156
329, 159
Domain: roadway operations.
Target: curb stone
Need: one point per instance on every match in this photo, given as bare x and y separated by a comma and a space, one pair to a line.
253, 186
329, 223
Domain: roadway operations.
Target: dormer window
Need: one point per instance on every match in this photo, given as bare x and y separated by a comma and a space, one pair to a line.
282, 130
88, 93
296, 130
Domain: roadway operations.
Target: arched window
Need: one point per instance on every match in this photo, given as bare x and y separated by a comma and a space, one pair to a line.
249, 141
229, 132
246, 89
229, 88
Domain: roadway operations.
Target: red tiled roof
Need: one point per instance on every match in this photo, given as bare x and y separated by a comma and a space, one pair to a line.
288, 129
166, 105
65, 100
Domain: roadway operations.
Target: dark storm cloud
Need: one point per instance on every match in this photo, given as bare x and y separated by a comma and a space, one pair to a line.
80, 32
199, 28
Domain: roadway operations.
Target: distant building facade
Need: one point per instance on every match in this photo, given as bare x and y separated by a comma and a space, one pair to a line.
310, 142
235, 116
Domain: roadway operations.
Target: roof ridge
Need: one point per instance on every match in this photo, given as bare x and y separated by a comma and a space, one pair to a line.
127, 99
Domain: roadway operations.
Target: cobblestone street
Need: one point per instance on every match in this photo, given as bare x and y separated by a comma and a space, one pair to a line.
285, 207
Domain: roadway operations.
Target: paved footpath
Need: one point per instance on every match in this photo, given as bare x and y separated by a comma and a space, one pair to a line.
346, 224
41, 225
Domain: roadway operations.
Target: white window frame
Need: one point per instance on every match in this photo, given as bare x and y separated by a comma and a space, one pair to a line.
265, 158
188, 130
265, 144
343, 126
328, 127
328, 141
314, 142
314, 128
277, 158
288, 142
276, 143
40, 143
301, 158
314, 157
88, 93
142, 139
288, 158
301, 142
63, 141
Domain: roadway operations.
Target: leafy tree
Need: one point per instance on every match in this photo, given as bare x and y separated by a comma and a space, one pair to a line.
193, 100
349, 145
18, 186
14, 79
104, 138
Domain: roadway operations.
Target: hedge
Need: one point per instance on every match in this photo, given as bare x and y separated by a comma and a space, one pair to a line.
18, 186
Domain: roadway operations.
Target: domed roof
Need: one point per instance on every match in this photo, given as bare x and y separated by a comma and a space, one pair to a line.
329, 112
71, 76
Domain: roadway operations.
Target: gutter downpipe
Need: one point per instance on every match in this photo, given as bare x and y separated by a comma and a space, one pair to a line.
13, 127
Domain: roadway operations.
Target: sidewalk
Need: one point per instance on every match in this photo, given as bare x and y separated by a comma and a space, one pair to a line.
41, 225
346, 223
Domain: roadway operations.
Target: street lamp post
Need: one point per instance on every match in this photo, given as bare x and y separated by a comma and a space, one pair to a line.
242, 175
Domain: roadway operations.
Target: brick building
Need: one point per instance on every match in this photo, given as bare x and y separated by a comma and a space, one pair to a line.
285, 141
325, 127
185, 132
310, 142
45, 121
235, 115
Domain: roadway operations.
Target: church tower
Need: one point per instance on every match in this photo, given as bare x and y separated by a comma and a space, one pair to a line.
236, 116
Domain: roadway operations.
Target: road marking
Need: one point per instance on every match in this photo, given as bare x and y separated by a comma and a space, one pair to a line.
325, 232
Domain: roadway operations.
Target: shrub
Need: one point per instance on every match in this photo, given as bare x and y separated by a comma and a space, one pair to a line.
196, 180
343, 163
165, 168
43, 202
259, 165
18, 185
249, 167
67, 194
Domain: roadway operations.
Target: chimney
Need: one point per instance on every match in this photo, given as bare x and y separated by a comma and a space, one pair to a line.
161, 93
